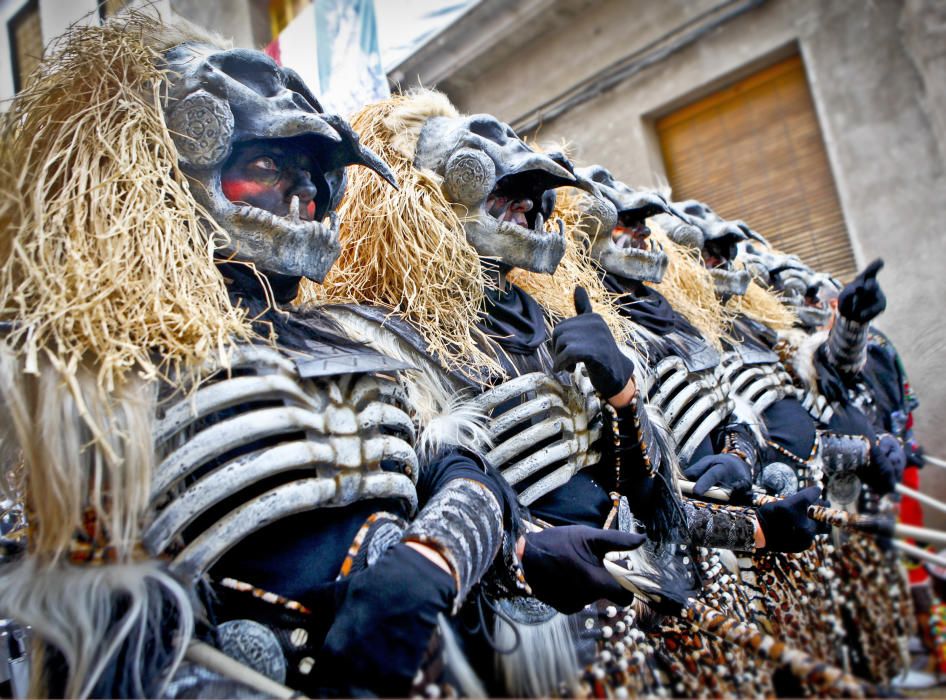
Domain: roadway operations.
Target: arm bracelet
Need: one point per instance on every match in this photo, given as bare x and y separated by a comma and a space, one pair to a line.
725, 527
843, 453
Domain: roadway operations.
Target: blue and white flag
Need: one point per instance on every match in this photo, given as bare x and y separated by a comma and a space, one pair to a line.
333, 46
349, 60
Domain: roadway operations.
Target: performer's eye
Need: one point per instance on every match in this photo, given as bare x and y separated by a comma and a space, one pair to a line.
264, 163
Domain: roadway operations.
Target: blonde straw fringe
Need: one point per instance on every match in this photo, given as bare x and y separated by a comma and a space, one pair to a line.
107, 281
406, 249
106, 257
764, 306
688, 286
556, 292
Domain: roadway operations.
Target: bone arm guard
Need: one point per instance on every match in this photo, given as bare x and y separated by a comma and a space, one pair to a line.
843, 453
723, 527
463, 522
846, 347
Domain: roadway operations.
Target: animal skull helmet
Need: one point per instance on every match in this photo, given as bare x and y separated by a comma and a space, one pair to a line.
219, 100
614, 222
718, 242
502, 190
798, 286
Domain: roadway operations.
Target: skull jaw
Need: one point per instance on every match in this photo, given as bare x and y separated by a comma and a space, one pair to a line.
528, 250
307, 250
630, 263
729, 283
274, 244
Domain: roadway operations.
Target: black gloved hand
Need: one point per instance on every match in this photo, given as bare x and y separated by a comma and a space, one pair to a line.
563, 565
786, 525
587, 338
863, 300
915, 455
384, 624
724, 470
885, 469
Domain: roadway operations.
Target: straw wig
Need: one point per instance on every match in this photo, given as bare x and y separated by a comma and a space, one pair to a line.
406, 249
105, 256
107, 284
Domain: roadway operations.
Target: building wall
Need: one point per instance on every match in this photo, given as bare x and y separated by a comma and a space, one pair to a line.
878, 77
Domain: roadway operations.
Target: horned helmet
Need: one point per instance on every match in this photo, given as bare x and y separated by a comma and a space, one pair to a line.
615, 222
717, 240
798, 286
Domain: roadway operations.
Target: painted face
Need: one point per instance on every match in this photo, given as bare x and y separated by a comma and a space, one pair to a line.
272, 175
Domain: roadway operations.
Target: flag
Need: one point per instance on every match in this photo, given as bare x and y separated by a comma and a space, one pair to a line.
333, 46
350, 70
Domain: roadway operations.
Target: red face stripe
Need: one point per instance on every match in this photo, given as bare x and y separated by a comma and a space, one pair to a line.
243, 190
311, 207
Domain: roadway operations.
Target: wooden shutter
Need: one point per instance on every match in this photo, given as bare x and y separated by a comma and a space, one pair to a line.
754, 151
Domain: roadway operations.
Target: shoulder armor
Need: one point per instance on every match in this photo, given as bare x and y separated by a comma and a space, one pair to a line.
695, 351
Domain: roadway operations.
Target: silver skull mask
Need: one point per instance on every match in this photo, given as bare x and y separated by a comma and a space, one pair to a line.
503, 191
718, 241
798, 286
615, 223
219, 101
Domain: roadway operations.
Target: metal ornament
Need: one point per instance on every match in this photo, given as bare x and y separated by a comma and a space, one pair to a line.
202, 127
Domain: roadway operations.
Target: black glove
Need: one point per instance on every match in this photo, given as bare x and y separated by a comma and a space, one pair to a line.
384, 624
915, 455
785, 523
863, 300
587, 338
563, 565
885, 469
725, 470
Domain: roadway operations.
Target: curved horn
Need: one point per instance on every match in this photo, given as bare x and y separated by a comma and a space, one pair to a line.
540, 161
362, 154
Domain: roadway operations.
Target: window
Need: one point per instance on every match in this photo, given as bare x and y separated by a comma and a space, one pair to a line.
754, 151
26, 42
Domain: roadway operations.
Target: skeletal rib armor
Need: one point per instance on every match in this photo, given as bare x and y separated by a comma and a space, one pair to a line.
688, 387
817, 405
756, 374
316, 439
694, 403
538, 426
